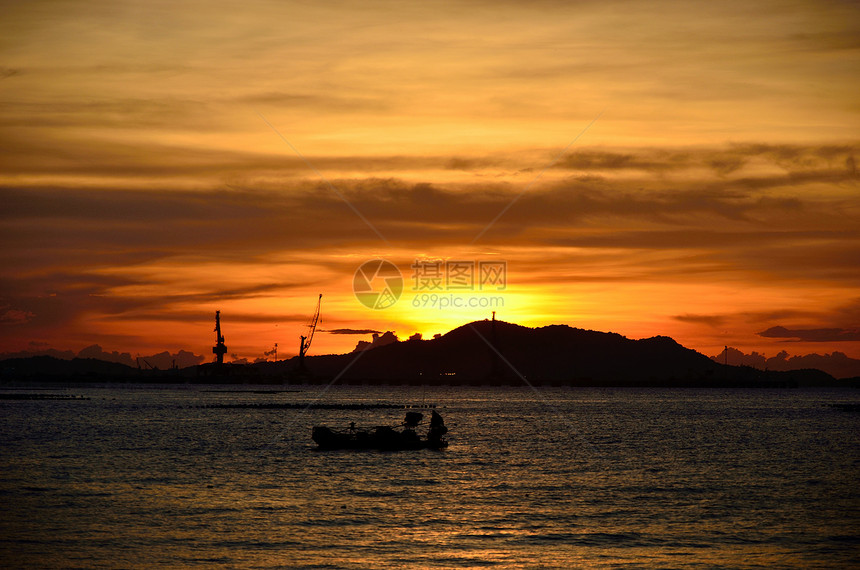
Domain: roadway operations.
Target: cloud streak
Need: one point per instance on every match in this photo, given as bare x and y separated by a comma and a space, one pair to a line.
813, 335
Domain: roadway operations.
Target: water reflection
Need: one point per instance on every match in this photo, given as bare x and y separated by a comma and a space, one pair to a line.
654, 478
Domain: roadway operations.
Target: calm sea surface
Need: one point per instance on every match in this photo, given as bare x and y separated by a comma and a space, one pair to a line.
556, 478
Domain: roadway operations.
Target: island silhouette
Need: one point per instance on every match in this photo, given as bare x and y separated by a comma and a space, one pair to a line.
486, 352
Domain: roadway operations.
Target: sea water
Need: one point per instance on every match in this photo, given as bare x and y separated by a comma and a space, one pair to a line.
144, 476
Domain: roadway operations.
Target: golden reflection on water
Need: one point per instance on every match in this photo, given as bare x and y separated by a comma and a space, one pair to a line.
603, 478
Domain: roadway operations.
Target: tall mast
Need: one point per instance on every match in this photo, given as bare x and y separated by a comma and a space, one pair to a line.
496, 370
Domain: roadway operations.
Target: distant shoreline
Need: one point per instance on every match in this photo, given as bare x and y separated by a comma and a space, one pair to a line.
279, 376
481, 353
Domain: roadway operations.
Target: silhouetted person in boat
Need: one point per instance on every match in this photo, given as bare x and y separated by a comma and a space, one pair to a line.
437, 427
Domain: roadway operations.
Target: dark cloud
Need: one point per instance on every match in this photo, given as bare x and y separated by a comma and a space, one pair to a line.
39, 348
180, 359
840, 322
710, 320
113, 113
736, 223
9, 316
388, 337
825, 261
54, 300
27, 151
698, 239
831, 40
71, 251
162, 360
58, 301
309, 214
837, 364
795, 160
267, 215
726, 165
331, 103
827, 256
596, 160
168, 313
96, 351
351, 331
813, 335
465, 163
798, 157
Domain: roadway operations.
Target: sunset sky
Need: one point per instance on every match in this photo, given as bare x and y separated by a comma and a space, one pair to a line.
686, 169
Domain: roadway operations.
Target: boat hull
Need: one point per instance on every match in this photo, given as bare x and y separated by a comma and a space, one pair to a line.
381, 438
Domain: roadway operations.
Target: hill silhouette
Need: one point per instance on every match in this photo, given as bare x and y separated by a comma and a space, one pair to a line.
478, 353
53, 368
497, 352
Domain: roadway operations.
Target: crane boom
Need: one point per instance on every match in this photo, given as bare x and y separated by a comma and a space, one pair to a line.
305, 340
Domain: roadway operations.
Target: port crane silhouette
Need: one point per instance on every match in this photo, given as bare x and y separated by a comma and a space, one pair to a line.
219, 349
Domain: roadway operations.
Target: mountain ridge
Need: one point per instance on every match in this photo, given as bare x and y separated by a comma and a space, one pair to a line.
486, 352
497, 352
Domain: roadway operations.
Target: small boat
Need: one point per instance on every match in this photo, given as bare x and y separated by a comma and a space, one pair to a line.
385, 438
